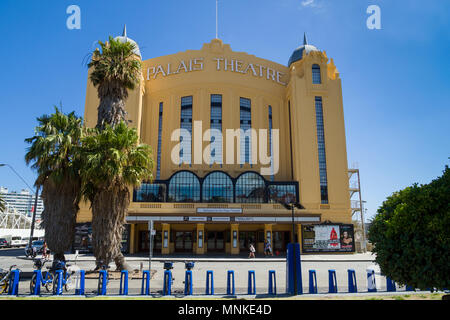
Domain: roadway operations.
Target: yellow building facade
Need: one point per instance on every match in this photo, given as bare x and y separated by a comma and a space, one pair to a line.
219, 198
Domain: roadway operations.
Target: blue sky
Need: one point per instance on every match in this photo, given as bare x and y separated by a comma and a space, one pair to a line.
396, 81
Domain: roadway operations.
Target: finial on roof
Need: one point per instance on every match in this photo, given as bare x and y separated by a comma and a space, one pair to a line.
124, 31
305, 41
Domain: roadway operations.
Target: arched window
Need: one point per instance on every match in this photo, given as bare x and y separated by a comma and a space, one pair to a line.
184, 186
250, 188
217, 187
316, 74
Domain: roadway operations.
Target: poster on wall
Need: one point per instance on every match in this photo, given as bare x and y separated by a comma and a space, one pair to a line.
328, 238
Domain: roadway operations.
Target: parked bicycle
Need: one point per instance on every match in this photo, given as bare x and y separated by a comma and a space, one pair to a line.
66, 280
46, 279
4, 279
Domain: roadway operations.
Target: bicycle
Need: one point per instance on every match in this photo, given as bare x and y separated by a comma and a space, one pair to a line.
4, 279
66, 281
46, 280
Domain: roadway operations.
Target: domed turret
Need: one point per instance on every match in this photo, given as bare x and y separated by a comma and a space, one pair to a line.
124, 39
298, 53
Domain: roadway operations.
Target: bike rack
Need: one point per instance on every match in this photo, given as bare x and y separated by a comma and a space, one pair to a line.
145, 289
103, 275
409, 288
312, 282
371, 285
123, 290
390, 285
59, 281
167, 291
229, 291
14, 282
352, 281
272, 283
251, 282
37, 286
209, 283
332, 284
79, 283
188, 283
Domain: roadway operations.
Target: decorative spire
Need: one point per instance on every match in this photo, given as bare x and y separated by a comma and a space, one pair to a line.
305, 41
124, 31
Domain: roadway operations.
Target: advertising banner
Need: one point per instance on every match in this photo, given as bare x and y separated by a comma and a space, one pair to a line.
328, 238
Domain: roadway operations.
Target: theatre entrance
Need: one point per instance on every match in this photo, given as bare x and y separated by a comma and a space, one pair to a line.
184, 241
215, 241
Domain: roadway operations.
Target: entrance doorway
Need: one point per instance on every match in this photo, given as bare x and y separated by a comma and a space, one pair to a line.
280, 241
216, 241
245, 238
144, 242
183, 241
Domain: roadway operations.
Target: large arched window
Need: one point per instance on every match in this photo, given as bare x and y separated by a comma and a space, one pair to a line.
217, 187
316, 74
184, 186
250, 188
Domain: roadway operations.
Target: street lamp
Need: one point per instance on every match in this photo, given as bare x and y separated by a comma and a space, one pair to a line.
291, 205
35, 201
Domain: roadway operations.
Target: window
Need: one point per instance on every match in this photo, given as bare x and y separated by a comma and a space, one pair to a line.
184, 186
216, 127
250, 188
158, 159
186, 123
321, 151
246, 124
270, 143
150, 192
316, 74
282, 193
217, 187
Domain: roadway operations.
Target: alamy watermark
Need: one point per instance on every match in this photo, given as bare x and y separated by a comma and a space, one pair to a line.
74, 20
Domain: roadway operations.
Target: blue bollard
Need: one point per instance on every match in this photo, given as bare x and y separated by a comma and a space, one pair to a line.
352, 281
167, 289
123, 290
37, 285
229, 283
332, 284
390, 285
371, 285
102, 281
209, 283
409, 288
251, 282
145, 288
272, 282
59, 282
79, 290
188, 283
14, 283
312, 282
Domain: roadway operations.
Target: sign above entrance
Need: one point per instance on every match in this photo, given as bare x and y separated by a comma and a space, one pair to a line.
219, 210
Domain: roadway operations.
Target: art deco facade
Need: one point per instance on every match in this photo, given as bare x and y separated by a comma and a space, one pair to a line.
200, 206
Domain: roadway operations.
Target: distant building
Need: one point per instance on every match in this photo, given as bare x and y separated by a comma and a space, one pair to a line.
23, 202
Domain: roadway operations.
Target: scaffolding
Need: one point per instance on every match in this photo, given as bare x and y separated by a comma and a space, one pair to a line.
357, 205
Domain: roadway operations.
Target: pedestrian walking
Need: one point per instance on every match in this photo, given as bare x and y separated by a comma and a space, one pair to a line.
268, 249
45, 251
252, 251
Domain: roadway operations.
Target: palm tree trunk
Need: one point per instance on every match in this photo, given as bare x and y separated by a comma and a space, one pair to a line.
59, 215
111, 110
109, 209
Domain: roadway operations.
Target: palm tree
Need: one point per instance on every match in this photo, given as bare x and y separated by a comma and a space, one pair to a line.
115, 70
113, 162
2, 204
54, 153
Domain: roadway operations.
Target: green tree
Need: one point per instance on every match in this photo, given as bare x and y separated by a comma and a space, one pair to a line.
55, 154
411, 235
114, 70
114, 161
